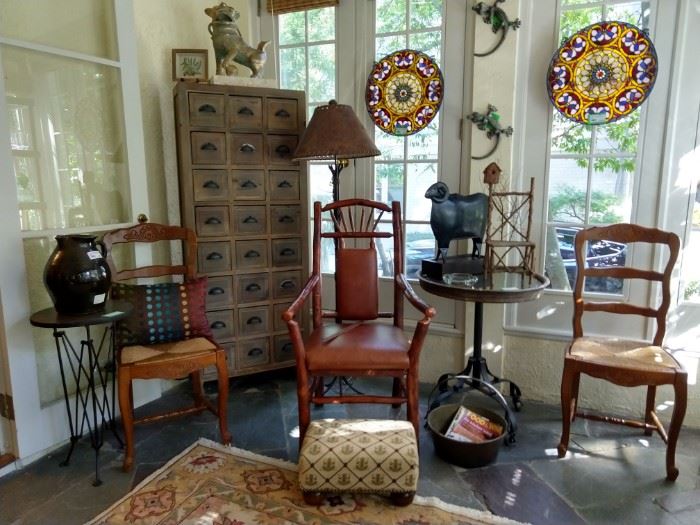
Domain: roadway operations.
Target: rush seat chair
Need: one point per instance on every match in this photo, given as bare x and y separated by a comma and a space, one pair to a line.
624, 362
167, 335
351, 340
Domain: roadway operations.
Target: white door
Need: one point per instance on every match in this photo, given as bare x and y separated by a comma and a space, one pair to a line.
71, 132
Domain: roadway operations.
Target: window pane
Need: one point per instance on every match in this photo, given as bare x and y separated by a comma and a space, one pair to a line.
327, 249
391, 146
420, 244
567, 190
321, 24
573, 20
96, 36
620, 136
78, 125
293, 68
630, 13
424, 145
426, 13
385, 252
320, 188
611, 193
321, 73
419, 179
388, 180
691, 269
429, 43
390, 16
292, 28
388, 44
568, 136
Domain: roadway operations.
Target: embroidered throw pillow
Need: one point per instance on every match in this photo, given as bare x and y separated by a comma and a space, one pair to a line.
162, 313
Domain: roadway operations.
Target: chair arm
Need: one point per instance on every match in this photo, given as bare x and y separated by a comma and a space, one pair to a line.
289, 314
413, 298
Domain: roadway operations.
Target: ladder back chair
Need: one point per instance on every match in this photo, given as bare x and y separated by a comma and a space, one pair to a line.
349, 341
167, 335
624, 362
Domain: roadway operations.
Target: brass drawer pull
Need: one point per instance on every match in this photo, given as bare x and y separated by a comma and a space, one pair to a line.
253, 287
206, 108
214, 256
284, 184
247, 148
283, 150
216, 291
287, 284
254, 320
286, 219
250, 220
213, 220
249, 184
208, 146
216, 325
251, 254
254, 352
282, 113
245, 110
211, 185
287, 252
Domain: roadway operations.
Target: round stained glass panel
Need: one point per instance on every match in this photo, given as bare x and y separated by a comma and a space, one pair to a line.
602, 73
404, 92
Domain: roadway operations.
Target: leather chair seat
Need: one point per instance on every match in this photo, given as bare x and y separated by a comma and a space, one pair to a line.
158, 352
357, 346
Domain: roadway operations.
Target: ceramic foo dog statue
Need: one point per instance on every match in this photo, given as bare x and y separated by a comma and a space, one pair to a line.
229, 46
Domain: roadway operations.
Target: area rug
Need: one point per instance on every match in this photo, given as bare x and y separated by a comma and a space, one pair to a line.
210, 484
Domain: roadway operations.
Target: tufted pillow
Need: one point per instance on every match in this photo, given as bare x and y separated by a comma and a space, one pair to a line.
162, 313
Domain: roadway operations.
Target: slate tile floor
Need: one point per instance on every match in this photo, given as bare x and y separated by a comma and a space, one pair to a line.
613, 475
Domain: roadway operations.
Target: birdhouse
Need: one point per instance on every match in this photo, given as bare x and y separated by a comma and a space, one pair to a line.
492, 173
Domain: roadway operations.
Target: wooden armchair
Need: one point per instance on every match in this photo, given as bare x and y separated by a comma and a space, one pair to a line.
167, 335
351, 343
624, 362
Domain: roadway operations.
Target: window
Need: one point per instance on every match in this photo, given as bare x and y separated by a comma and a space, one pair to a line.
592, 169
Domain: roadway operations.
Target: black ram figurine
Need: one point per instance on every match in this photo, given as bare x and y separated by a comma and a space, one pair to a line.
455, 216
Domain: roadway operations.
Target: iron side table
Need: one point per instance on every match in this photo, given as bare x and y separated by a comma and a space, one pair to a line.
95, 375
499, 287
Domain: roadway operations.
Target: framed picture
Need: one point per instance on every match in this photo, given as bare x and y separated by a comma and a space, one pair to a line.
190, 64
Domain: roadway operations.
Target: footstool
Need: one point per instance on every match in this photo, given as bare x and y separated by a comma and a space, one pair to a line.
359, 456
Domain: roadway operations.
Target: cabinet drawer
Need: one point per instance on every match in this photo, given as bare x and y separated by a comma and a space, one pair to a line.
208, 147
211, 221
245, 112
251, 254
252, 288
219, 292
277, 311
285, 219
210, 185
282, 114
246, 148
286, 252
284, 185
206, 109
253, 352
280, 149
230, 351
213, 257
248, 184
221, 324
283, 349
286, 284
253, 321
249, 220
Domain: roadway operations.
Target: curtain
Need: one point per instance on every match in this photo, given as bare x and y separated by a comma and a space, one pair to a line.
277, 7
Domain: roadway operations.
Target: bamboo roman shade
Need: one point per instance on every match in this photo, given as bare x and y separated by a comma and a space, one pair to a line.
278, 7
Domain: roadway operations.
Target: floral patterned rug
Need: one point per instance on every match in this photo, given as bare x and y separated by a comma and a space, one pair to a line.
210, 484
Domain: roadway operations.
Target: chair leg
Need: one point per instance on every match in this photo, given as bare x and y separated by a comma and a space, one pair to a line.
222, 376
197, 388
651, 402
304, 402
126, 408
680, 388
412, 402
569, 387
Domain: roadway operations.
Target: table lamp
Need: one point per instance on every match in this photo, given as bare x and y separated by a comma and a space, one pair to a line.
335, 133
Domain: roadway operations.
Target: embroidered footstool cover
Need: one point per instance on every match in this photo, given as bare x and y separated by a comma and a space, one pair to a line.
359, 455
